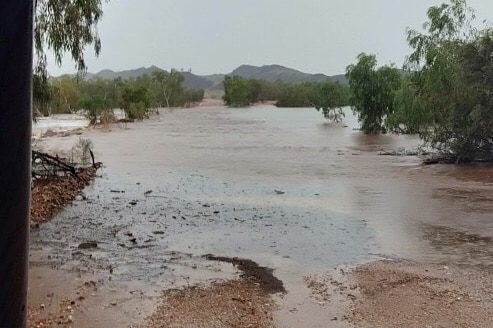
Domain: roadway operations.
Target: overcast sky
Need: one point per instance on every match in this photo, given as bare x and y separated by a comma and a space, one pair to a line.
216, 36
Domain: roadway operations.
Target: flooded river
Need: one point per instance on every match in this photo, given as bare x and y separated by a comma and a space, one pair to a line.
279, 186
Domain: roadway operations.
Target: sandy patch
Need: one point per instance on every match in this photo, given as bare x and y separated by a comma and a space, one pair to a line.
232, 304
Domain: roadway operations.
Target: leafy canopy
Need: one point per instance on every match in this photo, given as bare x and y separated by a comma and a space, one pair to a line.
372, 92
447, 98
66, 26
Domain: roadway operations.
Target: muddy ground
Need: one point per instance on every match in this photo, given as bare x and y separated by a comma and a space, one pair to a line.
282, 189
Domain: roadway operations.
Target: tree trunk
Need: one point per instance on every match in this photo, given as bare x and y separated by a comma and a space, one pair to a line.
16, 56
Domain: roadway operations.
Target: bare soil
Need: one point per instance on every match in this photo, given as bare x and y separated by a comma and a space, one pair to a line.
410, 294
50, 195
231, 304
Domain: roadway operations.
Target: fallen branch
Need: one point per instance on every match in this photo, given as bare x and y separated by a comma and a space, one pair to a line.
45, 165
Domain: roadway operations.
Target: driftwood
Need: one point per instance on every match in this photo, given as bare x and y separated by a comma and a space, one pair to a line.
45, 166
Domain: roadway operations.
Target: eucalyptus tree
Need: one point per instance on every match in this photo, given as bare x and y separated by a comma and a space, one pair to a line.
330, 98
448, 99
63, 27
170, 84
372, 92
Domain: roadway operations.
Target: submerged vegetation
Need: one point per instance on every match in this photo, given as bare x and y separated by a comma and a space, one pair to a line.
328, 97
97, 97
372, 92
446, 95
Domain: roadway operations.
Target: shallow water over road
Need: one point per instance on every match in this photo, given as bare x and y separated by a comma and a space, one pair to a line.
278, 186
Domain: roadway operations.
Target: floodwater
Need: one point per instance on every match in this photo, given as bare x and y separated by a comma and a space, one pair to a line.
279, 186
59, 123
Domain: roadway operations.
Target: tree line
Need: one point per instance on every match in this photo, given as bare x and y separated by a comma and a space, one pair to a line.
136, 96
327, 97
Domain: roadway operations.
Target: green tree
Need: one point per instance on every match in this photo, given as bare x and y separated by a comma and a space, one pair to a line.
236, 91
94, 105
67, 94
297, 95
170, 84
451, 83
62, 27
373, 92
254, 90
43, 95
67, 26
329, 98
136, 101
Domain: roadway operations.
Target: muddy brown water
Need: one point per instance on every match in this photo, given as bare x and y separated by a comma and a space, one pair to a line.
281, 187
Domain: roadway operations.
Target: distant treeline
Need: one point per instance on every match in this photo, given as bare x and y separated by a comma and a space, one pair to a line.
327, 96
136, 96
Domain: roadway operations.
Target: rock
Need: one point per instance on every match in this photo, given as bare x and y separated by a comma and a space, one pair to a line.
88, 245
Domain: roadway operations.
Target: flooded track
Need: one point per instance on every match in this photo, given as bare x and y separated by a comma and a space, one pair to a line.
278, 186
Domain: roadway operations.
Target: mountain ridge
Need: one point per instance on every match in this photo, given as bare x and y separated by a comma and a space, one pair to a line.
270, 73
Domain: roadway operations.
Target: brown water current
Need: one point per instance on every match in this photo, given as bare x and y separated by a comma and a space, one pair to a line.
281, 187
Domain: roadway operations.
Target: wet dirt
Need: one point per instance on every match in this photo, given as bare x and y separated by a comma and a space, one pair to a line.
406, 294
280, 187
251, 271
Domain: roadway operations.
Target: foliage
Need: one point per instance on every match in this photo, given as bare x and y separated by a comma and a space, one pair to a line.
67, 26
94, 105
409, 114
448, 98
237, 91
66, 94
373, 92
62, 27
330, 97
297, 95
42, 95
170, 86
188, 96
98, 97
136, 101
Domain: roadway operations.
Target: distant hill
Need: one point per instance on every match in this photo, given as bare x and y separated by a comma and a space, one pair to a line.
197, 82
277, 73
214, 82
108, 74
191, 80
